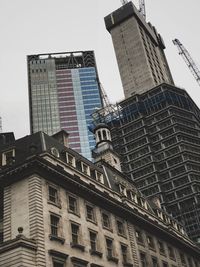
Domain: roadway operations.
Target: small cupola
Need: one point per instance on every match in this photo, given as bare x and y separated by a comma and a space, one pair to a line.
104, 149
102, 134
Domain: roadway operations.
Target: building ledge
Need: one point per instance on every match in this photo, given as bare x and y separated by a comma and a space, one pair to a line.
114, 259
78, 246
127, 264
95, 265
57, 238
58, 254
80, 261
96, 253
19, 241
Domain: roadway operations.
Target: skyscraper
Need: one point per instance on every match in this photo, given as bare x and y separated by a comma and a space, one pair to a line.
157, 135
63, 92
139, 50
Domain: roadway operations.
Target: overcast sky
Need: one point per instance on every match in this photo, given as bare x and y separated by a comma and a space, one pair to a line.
45, 26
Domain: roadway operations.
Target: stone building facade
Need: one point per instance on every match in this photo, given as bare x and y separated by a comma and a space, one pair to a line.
61, 210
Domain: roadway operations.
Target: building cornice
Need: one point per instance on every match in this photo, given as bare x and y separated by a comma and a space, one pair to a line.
19, 242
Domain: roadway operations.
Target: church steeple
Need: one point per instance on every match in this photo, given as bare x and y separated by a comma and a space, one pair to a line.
104, 149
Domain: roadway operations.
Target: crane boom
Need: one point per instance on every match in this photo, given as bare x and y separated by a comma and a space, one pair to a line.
188, 59
106, 102
142, 8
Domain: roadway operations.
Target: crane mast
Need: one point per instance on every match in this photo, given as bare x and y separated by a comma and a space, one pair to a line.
188, 59
142, 8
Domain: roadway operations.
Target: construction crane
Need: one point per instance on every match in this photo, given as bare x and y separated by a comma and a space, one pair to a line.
142, 8
108, 110
124, 2
189, 61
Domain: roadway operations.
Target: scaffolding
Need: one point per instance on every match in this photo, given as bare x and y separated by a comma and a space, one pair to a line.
129, 110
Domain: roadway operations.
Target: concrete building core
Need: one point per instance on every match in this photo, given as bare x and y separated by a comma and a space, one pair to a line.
139, 50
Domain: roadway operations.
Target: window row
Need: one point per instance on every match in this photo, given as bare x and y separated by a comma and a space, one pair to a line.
185, 261
90, 211
94, 241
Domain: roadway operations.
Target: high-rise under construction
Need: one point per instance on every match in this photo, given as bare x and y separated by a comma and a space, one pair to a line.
157, 135
139, 50
156, 129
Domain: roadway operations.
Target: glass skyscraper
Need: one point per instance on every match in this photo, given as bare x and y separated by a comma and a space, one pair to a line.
63, 93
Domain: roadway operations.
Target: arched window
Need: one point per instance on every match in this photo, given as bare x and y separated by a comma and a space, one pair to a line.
99, 135
104, 135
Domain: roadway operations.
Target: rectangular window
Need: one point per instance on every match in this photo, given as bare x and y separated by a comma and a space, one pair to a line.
71, 160
161, 247
154, 262
90, 213
93, 241
150, 242
109, 246
129, 194
58, 264
139, 237
75, 233
120, 228
53, 194
182, 258
85, 168
54, 221
99, 176
143, 259
73, 205
8, 157
171, 252
189, 262
106, 220
124, 251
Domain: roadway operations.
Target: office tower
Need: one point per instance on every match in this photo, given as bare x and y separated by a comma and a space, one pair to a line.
63, 92
157, 135
139, 51
62, 210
